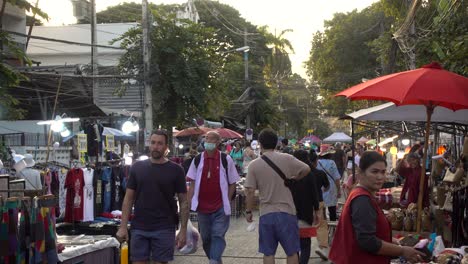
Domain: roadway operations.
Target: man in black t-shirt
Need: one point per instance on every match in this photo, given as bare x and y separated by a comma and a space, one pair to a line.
151, 187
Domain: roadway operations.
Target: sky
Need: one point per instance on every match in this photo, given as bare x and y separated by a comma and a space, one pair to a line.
304, 17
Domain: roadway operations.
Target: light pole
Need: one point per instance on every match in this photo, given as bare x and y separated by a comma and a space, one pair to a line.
245, 50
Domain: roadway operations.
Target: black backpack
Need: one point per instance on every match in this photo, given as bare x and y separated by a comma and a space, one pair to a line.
225, 165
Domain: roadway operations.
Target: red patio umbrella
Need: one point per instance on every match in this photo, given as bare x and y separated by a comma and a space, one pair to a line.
192, 131
228, 133
429, 85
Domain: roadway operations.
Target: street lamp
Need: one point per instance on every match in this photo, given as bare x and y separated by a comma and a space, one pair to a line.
246, 50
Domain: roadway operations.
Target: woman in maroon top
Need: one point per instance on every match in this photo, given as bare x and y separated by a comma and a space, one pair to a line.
410, 168
363, 234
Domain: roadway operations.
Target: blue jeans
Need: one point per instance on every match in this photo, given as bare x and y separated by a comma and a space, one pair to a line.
212, 229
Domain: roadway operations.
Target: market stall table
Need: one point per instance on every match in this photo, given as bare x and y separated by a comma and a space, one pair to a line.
101, 251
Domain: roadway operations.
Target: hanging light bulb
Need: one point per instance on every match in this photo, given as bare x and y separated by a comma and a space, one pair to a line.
127, 127
65, 133
405, 142
57, 126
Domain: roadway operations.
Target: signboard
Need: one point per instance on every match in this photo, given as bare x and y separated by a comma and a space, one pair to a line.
82, 143
110, 143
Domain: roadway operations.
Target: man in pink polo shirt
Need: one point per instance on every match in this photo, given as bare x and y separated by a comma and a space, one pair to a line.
211, 186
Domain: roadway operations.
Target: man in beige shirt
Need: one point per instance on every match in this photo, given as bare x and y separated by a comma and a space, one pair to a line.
278, 221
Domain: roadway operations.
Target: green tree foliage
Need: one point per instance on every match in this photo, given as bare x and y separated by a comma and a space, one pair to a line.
231, 27
127, 12
361, 45
341, 57
11, 53
186, 63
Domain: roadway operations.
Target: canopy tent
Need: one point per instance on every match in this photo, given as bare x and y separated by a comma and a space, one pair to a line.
338, 137
118, 134
363, 140
417, 113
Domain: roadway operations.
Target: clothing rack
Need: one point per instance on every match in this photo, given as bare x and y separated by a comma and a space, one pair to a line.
113, 162
54, 163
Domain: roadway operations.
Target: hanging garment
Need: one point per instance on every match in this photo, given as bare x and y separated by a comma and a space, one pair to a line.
116, 188
88, 192
43, 232
125, 174
62, 176
106, 178
97, 191
74, 204
55, 189
13, 246
48, 181
25, 231
460, 217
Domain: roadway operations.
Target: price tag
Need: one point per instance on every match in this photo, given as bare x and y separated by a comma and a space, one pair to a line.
82, 143
110, 143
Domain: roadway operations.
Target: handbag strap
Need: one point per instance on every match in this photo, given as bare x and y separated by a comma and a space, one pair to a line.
325, 170
274, 167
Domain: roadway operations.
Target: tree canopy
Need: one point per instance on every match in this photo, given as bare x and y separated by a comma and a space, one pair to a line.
361, 45
11, 54
186, 64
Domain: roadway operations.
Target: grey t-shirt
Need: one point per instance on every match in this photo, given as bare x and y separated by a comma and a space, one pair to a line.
155, 187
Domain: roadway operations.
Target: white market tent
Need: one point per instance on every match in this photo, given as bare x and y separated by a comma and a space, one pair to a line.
338, 137
417, 113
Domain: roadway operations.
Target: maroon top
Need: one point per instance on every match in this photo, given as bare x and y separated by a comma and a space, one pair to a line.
411, 186
210, 198
74, 183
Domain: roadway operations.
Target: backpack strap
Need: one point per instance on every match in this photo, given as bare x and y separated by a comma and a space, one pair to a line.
223, 161
197, 160
225, 164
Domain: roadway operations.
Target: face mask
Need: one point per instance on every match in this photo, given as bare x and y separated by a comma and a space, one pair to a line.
210, 146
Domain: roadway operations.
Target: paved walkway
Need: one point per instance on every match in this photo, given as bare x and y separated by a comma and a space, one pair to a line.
242, 248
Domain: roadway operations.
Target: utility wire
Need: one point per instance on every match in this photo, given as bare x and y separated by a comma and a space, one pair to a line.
62, 41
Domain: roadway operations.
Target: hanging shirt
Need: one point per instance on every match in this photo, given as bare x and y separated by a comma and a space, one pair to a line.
74, 205
106, 178
55, 189
62, 174
88, 192
116, 188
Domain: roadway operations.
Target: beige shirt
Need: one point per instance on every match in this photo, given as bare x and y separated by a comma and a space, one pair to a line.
274, 196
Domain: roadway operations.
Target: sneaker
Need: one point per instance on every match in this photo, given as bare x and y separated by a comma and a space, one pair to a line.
322, 254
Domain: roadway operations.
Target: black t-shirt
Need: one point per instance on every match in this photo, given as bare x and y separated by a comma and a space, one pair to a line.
321, 180
155, 187
305, 195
